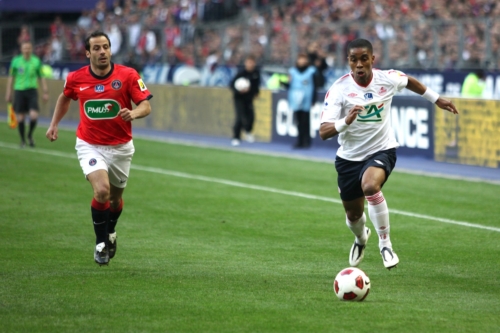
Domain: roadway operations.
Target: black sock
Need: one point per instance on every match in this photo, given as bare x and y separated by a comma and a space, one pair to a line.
113, 220
21, 130
32, 127
100, 217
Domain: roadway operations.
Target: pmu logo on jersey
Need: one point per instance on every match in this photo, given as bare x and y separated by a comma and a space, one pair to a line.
372, 113
101, 108
368, 96
99, 88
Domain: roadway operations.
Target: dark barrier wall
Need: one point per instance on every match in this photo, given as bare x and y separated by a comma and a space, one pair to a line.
411, 117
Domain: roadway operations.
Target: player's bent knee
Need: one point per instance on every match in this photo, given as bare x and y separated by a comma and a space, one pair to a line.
354, 215
101, 192
371, 187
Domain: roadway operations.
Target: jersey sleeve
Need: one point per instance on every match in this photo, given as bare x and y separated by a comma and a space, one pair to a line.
69, 90
138, 90
332, 106
13, 68
398, 79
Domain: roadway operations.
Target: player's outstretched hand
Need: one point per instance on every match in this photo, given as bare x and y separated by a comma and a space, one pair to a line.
446, 105
353, 113
126, 114
52, 133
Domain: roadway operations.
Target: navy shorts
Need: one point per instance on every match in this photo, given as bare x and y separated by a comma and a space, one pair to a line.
350, 173
25, 100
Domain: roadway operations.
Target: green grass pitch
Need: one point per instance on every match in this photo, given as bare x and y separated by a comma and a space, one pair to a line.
196, 255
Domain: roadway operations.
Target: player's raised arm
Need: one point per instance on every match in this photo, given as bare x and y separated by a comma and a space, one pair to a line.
418, 87
60, 111
141, 111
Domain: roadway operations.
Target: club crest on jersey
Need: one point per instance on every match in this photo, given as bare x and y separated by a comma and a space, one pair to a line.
373, 113
368, 96
99, 88
92, 162
116, 84
352, 95
382, 91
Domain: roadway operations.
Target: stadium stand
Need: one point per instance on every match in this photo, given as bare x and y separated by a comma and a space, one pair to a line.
440, 34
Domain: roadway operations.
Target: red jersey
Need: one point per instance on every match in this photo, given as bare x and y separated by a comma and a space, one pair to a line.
101, 98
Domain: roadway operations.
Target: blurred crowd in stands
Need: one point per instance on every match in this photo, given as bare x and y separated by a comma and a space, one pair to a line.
410, 33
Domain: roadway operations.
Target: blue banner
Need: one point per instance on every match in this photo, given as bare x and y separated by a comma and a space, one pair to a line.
412, 120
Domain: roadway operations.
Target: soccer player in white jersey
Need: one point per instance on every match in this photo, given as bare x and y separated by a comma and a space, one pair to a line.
357, 109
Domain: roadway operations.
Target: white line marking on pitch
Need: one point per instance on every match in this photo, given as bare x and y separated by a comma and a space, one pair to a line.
255, 187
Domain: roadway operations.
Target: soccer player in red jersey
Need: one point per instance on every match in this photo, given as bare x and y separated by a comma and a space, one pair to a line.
104, 136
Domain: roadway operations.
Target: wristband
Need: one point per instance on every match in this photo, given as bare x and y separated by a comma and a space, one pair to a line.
430, 95
341, 125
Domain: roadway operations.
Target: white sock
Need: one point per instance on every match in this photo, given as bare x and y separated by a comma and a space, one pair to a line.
379, 214
358, 228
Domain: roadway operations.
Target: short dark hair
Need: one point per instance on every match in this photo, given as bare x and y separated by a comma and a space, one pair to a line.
360, 43
95, 34
251, 57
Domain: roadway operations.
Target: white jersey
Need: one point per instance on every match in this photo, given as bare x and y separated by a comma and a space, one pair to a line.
371, 132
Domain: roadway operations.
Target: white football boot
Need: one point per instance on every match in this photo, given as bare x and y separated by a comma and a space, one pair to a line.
101, 254
389, 257
358, 251
112, 245
249, 137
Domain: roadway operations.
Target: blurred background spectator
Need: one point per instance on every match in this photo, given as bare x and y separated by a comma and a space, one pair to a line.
474, 84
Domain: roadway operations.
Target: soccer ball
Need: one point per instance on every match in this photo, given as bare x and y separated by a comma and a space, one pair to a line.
351, 284
242, 84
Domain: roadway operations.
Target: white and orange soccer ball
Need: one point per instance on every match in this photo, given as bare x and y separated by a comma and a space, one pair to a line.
351, 284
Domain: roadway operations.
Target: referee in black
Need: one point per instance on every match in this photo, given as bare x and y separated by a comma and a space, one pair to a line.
24, 73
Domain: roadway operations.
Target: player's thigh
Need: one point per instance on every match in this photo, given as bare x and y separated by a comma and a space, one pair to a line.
377, 170
99, 181
119, 165
348, 179
91, 158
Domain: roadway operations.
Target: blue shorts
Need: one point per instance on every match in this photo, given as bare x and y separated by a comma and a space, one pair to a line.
350, 173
